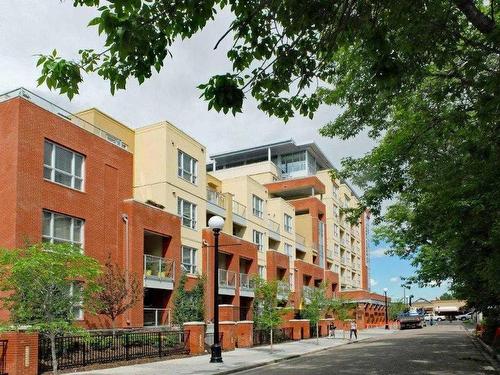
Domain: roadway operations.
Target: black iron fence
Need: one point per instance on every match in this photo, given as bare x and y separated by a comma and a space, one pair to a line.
80, 351
3, 357
263, 336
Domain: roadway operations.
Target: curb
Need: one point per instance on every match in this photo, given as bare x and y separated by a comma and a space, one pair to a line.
487, 352
277, 360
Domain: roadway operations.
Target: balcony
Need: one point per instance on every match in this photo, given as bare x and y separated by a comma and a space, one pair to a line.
154, 317
239, 213
159, 273
68, 116
227, 282
247, 285
300, 242
329, 254
216, 203
343, 260
274, 230
283, 290
306, 293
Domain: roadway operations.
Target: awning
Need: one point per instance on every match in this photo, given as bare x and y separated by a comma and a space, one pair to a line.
447, 309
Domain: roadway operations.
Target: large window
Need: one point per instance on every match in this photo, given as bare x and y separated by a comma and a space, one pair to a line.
187, 211
294, 162
288, 223
63, 166
189, 259
258, 239
258, 206
76, 291
59, 228
187, 167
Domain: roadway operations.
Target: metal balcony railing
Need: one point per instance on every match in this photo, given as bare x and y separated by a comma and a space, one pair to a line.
274, 226
239, 209
227, 279
246, 281
58, 111
158, 267
216, 198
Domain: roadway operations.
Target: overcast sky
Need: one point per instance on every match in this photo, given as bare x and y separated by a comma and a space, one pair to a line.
30, 27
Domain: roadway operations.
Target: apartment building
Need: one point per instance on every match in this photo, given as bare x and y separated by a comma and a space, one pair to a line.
144, 196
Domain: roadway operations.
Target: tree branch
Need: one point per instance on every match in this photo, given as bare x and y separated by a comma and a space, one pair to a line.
478, 19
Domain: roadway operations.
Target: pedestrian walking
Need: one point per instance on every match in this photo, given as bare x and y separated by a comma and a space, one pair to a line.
331, 330
354, 330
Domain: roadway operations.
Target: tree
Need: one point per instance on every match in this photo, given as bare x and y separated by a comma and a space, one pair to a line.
396, 308
420, 77
43, 285
447, 296
343, 310
266, 314
117, 294
317, 304
189, 305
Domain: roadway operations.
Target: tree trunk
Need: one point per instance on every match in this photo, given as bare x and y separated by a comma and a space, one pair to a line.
52, 338
271, 340
113, 322
479, 20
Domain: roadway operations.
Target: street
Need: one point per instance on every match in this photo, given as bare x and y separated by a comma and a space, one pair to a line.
443, 349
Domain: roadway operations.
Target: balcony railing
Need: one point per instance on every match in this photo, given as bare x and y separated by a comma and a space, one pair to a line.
154, 317
239, 209
307, 291
329, 253
158, 267
283, 289
274, 226
68, 116
300, 239
216, 198
246, 281
227, 279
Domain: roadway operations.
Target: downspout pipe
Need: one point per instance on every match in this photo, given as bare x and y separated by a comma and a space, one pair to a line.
127, 261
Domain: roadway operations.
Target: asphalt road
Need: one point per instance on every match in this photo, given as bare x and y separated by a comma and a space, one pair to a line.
437, 350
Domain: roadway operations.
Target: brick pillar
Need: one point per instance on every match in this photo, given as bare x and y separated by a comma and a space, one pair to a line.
226, 313
325, 324
228, 330
22, 353
244, 334
196, 338
300, 328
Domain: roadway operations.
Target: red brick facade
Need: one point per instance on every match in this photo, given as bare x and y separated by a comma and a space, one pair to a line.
107, 195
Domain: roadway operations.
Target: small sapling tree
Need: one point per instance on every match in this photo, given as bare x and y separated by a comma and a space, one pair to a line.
45, 287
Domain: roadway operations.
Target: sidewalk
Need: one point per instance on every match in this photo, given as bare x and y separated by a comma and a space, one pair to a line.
236, 360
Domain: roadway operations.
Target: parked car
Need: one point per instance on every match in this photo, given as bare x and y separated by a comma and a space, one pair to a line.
463, 317
435, 317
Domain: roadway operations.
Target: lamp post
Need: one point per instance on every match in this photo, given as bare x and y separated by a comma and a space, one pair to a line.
386, 310
216, 223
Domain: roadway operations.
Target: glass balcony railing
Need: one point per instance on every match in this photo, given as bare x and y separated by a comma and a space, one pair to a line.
158, 267
274, 226
239, 209
283, 289
216, 198
246, 281
227, 279
300, 239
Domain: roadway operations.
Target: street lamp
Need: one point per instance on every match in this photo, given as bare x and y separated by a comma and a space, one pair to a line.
386, 310
216, 223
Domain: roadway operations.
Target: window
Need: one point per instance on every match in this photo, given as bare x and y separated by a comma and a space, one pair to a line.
262, 272
337, 268
336, 250
76, 288
295, 162
63, 166
258, 206
187, 211
187, 167
258, 239
189, 259
288, 223
59, 228
288, 249
336, 230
